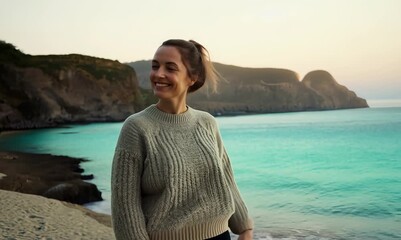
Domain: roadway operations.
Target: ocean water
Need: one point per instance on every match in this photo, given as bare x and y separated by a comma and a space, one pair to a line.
305, 175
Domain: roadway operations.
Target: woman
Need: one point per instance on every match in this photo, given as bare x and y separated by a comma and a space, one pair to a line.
171, 176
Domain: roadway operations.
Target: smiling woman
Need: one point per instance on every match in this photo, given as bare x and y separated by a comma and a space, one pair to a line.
171, 176
169, 77
180, 67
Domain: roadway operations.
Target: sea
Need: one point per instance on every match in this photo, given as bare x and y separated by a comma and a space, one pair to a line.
303, 175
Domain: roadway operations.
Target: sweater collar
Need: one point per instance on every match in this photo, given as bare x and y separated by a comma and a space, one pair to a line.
169, 117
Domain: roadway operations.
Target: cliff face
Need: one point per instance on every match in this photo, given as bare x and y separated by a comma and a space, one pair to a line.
42, 91
263, 90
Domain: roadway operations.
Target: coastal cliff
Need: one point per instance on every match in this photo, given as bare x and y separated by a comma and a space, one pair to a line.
49, 90
43, 91
264, 90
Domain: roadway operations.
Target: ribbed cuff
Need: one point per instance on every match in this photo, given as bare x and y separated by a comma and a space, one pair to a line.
194, 232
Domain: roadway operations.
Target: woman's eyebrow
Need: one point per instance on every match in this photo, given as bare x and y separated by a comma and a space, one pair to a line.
172, 63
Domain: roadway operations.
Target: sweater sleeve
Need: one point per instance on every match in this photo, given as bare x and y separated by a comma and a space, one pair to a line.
240, 220
127, 216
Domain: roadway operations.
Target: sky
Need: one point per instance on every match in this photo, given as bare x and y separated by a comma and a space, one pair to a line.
357, 41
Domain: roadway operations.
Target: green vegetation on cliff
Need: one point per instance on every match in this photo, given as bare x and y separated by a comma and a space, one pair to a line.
53, 64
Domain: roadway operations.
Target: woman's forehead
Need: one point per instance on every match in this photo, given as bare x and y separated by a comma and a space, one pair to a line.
167, 54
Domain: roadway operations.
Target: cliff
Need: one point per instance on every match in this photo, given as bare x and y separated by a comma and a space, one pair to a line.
43, 91
264, 90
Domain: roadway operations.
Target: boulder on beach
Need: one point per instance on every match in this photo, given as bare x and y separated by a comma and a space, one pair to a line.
75, 192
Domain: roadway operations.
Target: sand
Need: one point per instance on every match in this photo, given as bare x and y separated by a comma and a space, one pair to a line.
26, 216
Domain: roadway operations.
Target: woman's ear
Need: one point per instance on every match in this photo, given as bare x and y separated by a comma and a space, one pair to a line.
193, 80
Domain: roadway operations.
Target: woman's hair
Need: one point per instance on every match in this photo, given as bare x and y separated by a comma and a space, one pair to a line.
197, 62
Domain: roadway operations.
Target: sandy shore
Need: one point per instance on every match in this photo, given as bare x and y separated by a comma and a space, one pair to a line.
26, 216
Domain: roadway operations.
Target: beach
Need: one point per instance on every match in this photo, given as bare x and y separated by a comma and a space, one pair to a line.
27, 216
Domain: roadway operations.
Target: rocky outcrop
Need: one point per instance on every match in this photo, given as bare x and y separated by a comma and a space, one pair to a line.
332, 94
42, 91
264, 90
56, 177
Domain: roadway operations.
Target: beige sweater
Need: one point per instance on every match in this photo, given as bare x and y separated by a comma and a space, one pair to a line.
172, 179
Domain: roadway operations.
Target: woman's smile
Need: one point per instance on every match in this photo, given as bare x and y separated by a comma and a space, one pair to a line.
162, 85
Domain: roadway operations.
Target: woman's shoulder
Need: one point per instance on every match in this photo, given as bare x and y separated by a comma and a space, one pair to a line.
137, 120
206, 119
205, 116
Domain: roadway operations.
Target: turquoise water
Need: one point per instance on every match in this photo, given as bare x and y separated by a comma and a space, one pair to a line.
306, 175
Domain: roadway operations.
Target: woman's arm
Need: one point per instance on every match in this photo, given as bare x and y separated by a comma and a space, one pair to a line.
127, 216
240, 221
126, 204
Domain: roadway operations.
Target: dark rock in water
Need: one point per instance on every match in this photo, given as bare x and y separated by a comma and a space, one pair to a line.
77, 169
87, 177
74, 192
47, 175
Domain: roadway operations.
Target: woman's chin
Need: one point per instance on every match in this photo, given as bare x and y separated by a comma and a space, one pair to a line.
161, 95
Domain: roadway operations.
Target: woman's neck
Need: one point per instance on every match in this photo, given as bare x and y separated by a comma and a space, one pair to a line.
172, 107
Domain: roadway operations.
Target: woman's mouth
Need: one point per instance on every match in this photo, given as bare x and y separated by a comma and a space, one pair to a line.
162, 84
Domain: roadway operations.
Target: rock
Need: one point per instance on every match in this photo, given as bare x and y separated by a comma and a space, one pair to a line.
87, 177
47, 175
74, 192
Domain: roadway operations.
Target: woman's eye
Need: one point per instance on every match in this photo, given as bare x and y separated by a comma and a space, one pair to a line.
155, 67
171, 69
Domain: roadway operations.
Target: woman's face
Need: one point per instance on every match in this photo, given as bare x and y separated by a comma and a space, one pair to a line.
169, 76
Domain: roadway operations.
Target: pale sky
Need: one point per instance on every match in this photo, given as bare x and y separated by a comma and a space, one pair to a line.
357, 41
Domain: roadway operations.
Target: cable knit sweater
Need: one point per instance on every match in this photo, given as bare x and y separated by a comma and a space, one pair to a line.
172, 179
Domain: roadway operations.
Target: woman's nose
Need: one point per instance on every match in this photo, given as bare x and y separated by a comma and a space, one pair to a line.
160, 72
